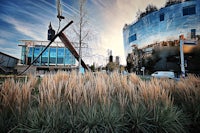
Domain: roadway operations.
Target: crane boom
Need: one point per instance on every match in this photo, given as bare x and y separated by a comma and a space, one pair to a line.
59, 10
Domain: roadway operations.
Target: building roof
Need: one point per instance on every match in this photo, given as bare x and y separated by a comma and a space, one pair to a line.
32, 43
8, 55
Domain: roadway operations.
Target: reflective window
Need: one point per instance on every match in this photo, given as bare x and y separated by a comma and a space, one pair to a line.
67, 56
30, 55
51, 55
52, 58
23, 55
30, 52
60, 58
132, 38
189, 10
36, 53
162, 17
45, 56
193, 33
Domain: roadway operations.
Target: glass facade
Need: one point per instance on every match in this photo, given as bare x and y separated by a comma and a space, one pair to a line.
166, 24
51, 56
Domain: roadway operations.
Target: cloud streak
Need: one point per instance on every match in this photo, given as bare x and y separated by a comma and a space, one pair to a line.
27, 29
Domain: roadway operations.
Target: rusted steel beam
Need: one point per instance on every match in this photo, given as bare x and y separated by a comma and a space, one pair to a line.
68, 44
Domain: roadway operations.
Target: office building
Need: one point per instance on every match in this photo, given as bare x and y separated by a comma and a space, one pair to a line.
165, 24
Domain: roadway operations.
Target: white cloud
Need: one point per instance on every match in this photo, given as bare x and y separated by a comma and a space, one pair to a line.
15, 52
2, 42
5, 34
25, 28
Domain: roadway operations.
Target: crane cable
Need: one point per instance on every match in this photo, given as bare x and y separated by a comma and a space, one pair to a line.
59, 16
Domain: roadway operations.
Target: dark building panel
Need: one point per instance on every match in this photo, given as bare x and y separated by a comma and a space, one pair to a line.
162, 17
7, 63
189, 10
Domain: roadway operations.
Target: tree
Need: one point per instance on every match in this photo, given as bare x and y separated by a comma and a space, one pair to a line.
172, 2
149, 9
81, 24
130, 62
111, 66
80, 31
121, 68
92, 67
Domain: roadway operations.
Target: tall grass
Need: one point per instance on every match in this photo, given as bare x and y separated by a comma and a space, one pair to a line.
71, 102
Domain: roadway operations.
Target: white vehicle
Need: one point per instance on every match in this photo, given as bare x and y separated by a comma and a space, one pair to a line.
163, 74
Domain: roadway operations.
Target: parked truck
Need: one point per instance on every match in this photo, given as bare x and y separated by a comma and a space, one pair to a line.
163, 74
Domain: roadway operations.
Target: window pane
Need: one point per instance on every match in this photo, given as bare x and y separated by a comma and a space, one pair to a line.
30, 52
60, 55
60, 52
162, 16
23, 55
52, 55
36, 53
67, 56
189, 10
193, 33
132, 38
185, 12
192, 10
45, 55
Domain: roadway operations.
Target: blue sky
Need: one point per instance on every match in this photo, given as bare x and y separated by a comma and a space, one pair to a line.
29, 20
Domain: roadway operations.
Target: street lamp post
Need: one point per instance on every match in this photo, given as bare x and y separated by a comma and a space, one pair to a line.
182, 42
182, 57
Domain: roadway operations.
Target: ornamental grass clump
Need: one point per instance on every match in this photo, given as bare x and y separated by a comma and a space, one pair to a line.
186, 95
15, 99
73, 102
151, 109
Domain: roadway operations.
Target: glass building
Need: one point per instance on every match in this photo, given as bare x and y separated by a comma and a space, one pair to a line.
55, 55
165, 24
